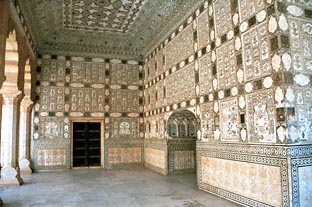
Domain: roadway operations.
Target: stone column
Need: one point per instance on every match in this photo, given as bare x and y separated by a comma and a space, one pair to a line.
24, 126
10, 174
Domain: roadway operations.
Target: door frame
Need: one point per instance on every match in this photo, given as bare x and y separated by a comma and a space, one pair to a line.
86, 120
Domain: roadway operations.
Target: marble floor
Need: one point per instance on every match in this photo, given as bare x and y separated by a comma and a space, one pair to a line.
109, 188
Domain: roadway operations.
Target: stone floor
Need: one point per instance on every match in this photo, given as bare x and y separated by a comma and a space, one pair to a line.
109, 188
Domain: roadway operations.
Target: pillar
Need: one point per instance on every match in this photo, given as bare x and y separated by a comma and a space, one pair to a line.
10, 174
24, 124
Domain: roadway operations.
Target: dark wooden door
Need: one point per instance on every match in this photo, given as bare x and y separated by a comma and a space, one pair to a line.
86, 144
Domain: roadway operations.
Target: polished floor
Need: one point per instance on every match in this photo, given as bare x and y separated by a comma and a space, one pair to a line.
109, 188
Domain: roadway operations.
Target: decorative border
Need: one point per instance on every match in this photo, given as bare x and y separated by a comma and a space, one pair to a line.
300, 151
96, 59
272, 161
278, 151
231, 196
295, 164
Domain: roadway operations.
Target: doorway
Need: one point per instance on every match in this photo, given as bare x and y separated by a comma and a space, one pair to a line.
87, 144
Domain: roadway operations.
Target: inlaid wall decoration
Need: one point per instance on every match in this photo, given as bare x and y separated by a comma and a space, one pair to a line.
51, 128
124, 128
54, 157
207, 121
205, 75
248, 8
177, 92
52, 99
229, 120
124, 101
53, 70
86, 88
88, 100
256, 50
122, 74
87, 72
182, 43
124, 155
260, 110
150, 68
226, 65
223, 18
160, 61
161, 94
203, 29
252, 80
297, 63
300, 44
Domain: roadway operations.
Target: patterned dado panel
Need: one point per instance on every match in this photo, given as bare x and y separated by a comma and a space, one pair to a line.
181, 156
265, 178
259, 181
155, 155
123, 153
87, 88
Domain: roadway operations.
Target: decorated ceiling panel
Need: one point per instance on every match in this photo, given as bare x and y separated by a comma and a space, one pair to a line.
123, 29
100, 15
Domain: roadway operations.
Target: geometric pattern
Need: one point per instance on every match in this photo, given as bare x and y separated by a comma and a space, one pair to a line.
112, 15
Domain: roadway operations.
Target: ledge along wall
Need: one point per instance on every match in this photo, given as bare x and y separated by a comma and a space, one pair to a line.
87, 88
244, 68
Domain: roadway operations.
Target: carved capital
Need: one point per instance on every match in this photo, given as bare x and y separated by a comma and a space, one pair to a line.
26, 102
9, 96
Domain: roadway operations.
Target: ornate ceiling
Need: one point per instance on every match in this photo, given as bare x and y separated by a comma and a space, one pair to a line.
126, 29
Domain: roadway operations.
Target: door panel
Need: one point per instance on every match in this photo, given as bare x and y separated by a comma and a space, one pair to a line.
86, 144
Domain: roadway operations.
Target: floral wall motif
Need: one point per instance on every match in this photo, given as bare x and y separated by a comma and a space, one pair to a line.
259, 123
229, 124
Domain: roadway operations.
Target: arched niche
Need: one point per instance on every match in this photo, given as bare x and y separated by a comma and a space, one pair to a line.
181, 124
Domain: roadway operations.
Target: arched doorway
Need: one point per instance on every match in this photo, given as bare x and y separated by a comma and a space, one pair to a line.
181, 129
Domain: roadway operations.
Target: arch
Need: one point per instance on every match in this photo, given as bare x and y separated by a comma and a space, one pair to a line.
182, 124
172, 128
